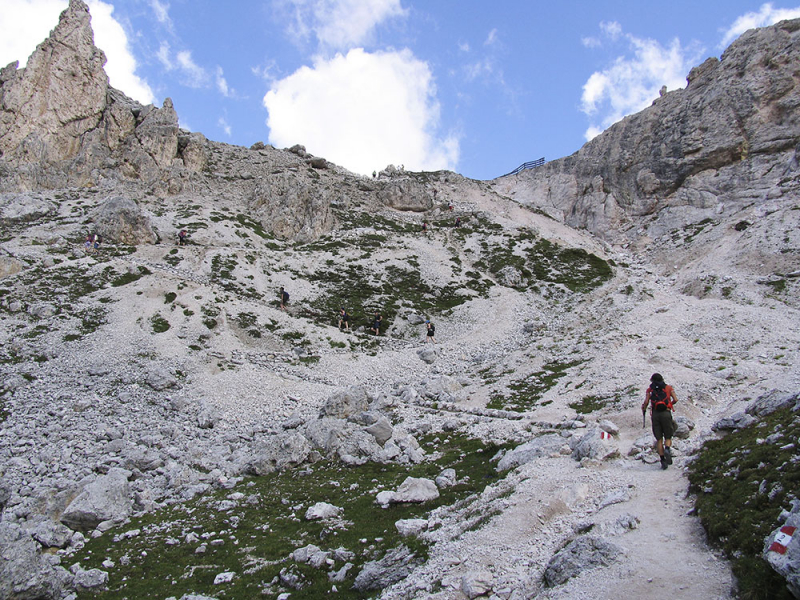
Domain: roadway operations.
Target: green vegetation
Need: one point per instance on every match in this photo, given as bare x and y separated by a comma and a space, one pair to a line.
526, 393
589, 404
252, 529
130, 277
159, 323
742, 482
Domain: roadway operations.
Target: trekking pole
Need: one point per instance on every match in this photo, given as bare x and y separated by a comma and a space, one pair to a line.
644, 412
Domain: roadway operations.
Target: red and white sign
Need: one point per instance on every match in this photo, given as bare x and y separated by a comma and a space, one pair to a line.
604, 435
783, 539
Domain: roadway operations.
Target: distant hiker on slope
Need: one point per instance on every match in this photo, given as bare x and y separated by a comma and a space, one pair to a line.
376, 323
344, 319
661, 398
431, 332
182, 237
284, 299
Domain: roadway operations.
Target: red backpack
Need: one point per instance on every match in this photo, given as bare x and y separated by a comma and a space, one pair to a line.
659, 396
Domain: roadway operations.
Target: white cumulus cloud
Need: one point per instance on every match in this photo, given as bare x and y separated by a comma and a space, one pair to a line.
340, 24
634, 79
766, 15
34, 19
363, 111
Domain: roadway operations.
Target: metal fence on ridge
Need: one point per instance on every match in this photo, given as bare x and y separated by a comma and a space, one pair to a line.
528, 165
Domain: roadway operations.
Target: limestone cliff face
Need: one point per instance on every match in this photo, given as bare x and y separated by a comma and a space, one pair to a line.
61, 95
60, 121
729, 138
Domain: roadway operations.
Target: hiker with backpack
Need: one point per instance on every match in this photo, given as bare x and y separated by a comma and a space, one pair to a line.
430, 333
344, 319
376, 323
284, 299
661, 398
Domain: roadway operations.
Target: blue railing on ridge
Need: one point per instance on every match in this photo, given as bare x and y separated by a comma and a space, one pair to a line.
528, 165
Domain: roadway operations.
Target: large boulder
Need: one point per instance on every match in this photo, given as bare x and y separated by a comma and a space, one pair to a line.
395, 566
544, 445
581, 554
121, 220
275, 453
25, 572
412, 490
738, 420
107, 498
770, 402
344, 440
345, 403
595, 444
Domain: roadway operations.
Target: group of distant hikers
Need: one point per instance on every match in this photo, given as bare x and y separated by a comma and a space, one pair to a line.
345, 318
92, 243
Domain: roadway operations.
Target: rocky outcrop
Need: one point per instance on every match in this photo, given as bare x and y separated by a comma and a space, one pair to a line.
728, 139
290, 207
26, 572
107, 498
60, 96
581, 554
121, 220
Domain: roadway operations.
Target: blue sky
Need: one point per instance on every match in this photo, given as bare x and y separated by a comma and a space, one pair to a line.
472, 86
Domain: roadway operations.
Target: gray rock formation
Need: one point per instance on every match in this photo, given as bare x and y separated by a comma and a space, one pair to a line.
380, 574
770, 402
581, 554
26, 573
524, 453
346, 403
594, 445
728, 139
412, 490
60, 95
107, 498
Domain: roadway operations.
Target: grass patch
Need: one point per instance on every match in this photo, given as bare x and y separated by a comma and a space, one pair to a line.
742, 482
159, 323
525, 393
252, 529
130, 276
589, 404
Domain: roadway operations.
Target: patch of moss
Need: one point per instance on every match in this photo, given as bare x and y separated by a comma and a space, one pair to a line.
589, 404
526, 393
159, 323
130, 276
743, 482
251, 530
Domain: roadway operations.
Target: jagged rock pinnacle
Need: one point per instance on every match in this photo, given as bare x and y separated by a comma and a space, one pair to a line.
58, 96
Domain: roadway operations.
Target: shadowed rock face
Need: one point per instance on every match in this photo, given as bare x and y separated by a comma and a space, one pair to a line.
728, 138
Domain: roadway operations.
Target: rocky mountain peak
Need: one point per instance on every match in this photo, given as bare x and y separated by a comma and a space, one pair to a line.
725, 141
58, 97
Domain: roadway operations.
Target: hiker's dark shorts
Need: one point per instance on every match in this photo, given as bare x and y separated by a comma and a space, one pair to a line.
662, 425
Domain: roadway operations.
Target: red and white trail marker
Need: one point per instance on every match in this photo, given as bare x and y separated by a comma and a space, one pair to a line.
783, 539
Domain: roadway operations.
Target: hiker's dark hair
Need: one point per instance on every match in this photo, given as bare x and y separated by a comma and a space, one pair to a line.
656, 377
